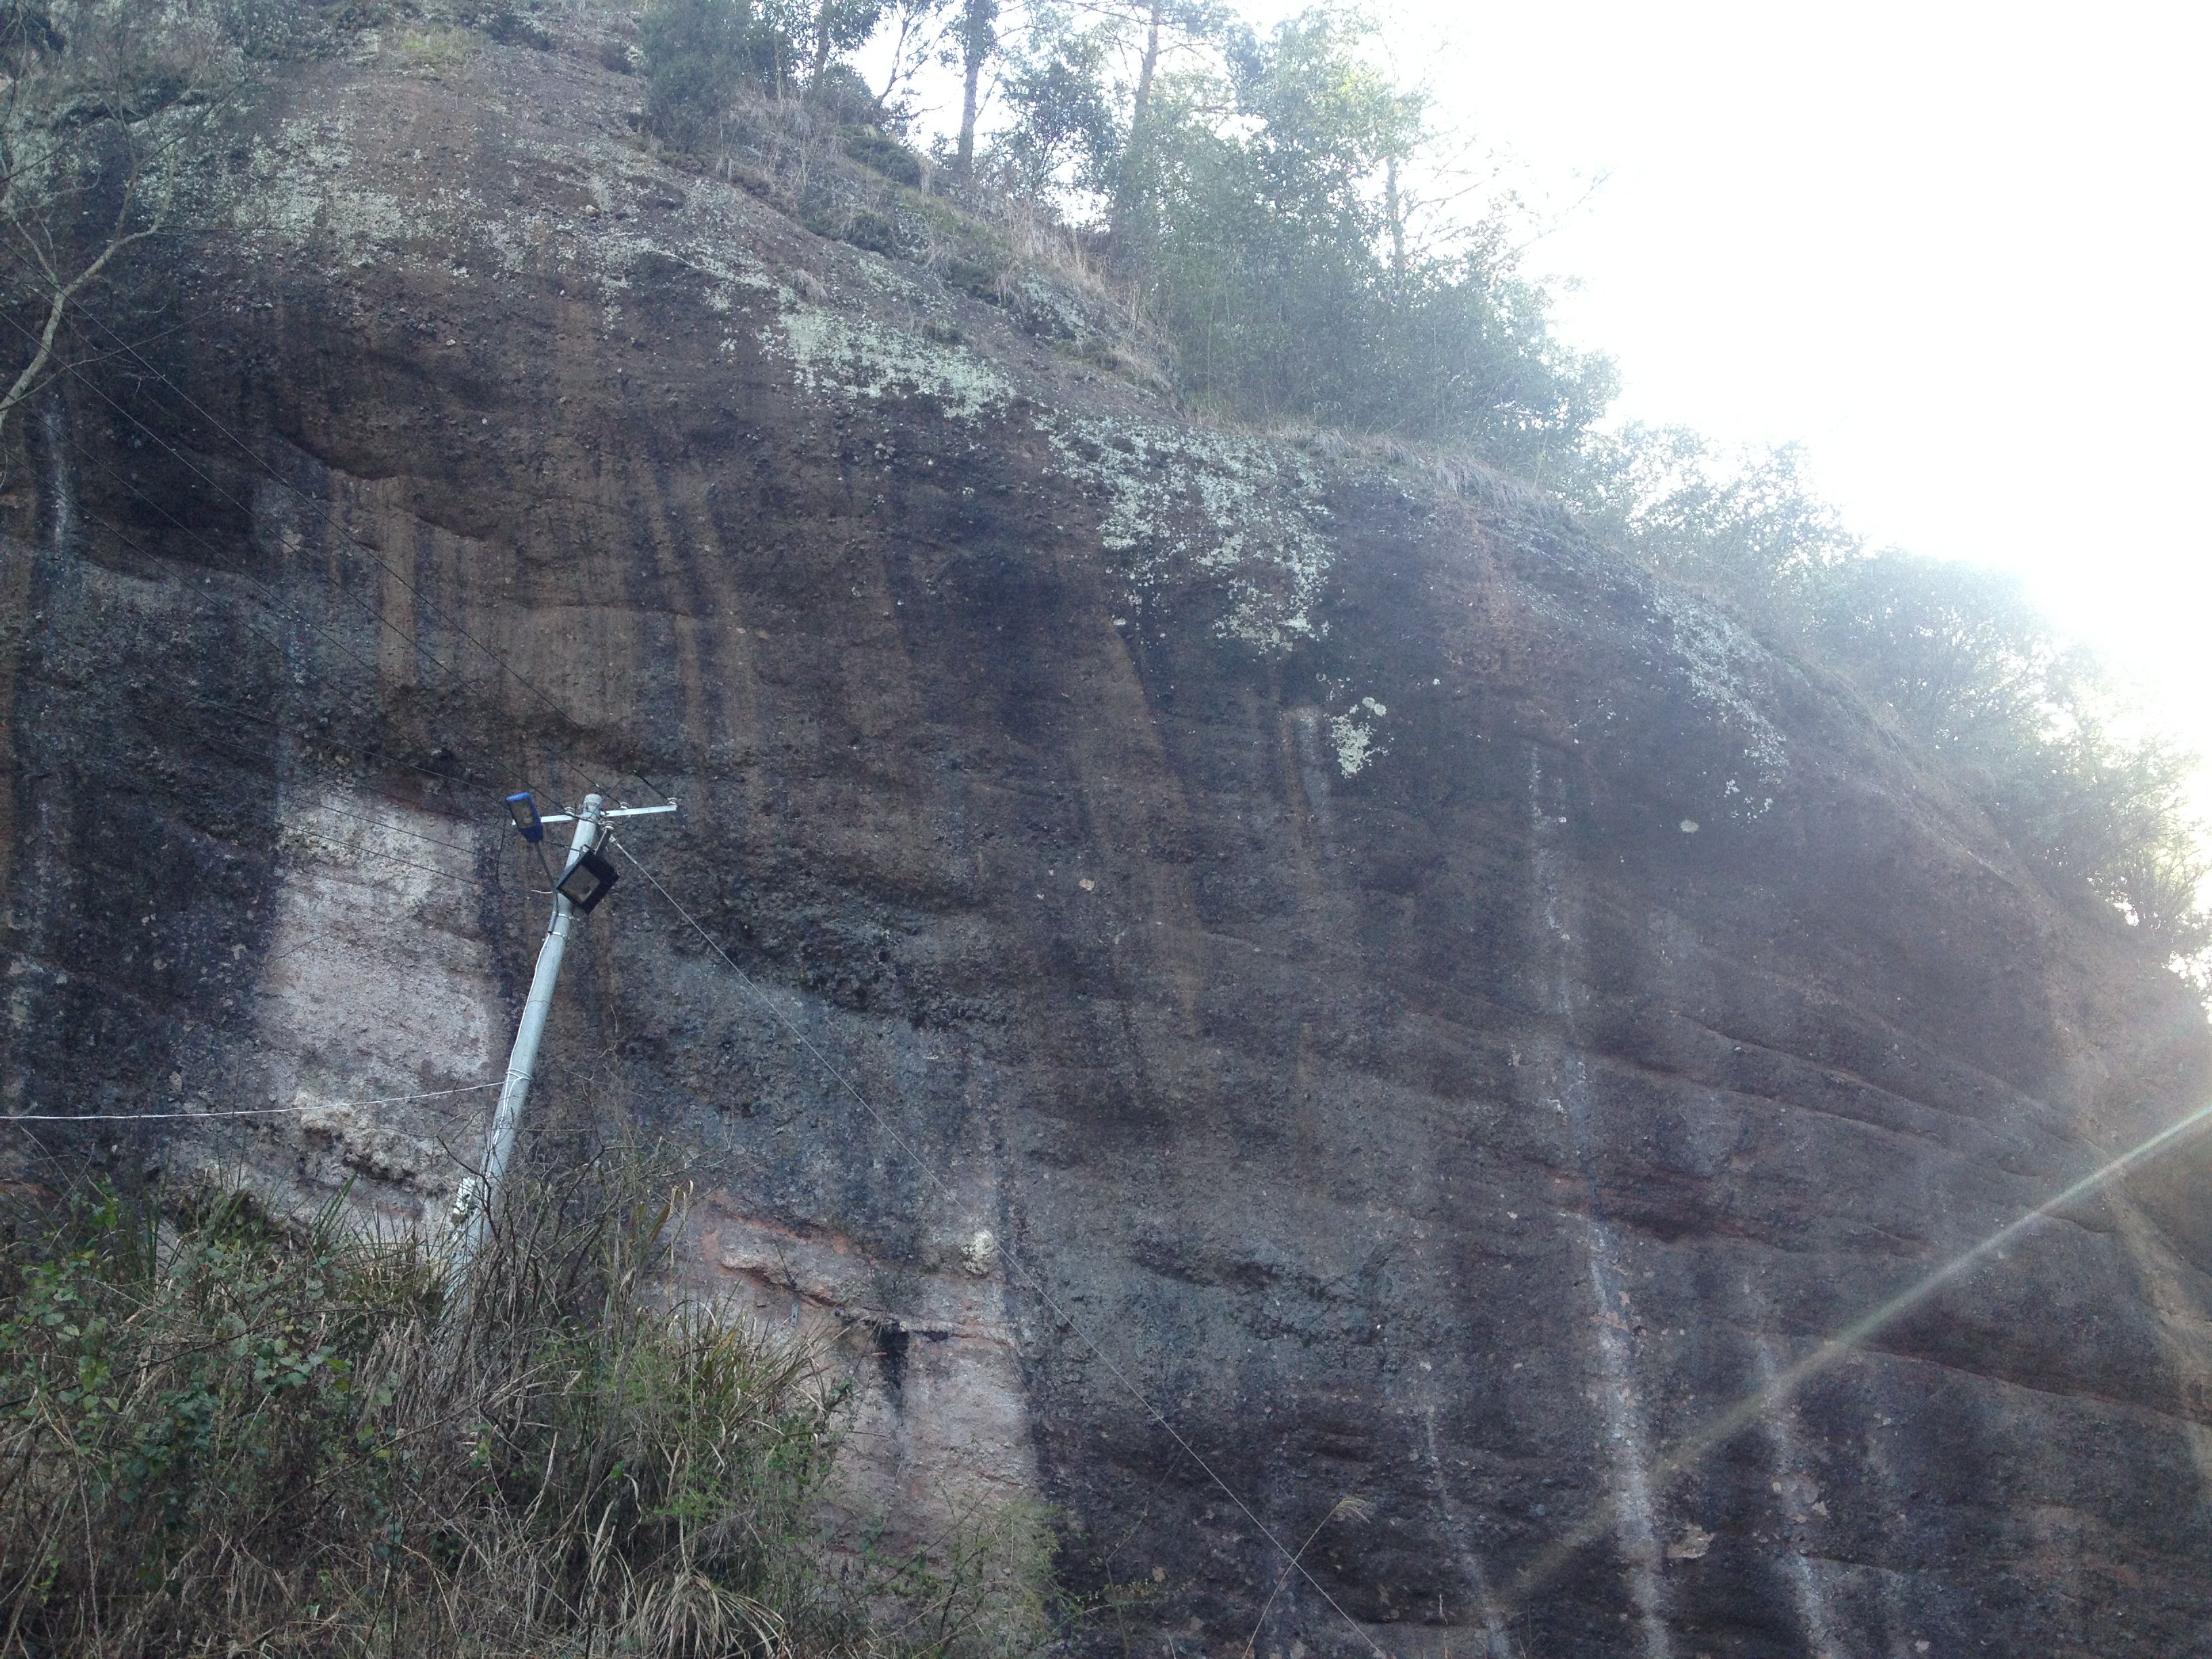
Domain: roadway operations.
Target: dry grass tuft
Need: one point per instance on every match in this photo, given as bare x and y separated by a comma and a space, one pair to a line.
222, 1434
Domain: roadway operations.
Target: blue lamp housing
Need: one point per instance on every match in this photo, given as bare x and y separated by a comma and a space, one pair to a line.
525, 813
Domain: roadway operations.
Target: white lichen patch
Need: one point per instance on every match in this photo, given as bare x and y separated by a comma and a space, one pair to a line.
883, 280
345, 183
1043, 301
1354, 740
1743, 806
1183, 504
298, 187
979, 1255
1722, 662
363, 182
857, 360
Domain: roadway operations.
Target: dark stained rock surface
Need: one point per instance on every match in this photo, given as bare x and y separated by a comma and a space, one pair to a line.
1327, 951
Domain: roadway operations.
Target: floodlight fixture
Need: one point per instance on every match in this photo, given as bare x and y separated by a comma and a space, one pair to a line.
583, 884
586, 881
525, 811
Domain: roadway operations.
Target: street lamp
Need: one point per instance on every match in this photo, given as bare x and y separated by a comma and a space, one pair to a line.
524, 810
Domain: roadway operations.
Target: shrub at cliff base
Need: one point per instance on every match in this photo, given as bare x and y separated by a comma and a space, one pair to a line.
221, 1435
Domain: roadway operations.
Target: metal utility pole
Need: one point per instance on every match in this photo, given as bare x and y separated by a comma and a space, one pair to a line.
584, 881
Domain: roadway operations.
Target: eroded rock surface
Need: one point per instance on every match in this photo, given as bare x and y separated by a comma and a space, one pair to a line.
1332, 957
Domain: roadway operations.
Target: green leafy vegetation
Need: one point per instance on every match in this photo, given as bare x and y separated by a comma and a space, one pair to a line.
1280, 206
2031, 728
1261, 219
1249, 196
439, 50
1274, 214
1287, 237
221, 1434
701, 56
697, 54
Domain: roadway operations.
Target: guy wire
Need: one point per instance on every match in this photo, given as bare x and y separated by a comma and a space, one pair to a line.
928, 1173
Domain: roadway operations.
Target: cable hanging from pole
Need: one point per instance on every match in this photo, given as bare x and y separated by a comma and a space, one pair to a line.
277, 603
590, 832
1014, 1262
450, 669
253, 1111
329, 516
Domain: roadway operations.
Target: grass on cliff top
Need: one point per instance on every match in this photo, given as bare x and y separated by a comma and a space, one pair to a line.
220, 1434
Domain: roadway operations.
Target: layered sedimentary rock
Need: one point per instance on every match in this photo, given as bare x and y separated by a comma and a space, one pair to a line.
1339, 977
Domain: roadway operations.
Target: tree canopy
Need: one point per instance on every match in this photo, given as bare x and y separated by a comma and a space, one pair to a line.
2030, 727
1252, 196
1295, 222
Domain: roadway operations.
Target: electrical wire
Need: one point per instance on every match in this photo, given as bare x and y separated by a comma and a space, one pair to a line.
929, 1174
1013, 1261
325, 843
277, 603
329, 842
448, 669
74, 371
127, 347
323, 739
329, 845
258, 1111
275, 600
442, 845
330, 523
394, 828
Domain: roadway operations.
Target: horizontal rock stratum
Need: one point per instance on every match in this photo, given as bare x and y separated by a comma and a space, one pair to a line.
1351, 981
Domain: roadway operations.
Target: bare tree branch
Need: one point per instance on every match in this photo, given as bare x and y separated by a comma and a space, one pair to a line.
68, 96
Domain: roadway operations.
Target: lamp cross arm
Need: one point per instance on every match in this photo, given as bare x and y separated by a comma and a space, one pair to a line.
611, 812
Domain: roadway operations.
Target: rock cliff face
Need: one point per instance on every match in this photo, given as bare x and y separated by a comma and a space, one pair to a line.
1327, 953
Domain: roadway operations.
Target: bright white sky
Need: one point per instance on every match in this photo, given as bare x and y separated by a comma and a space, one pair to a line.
1958, 250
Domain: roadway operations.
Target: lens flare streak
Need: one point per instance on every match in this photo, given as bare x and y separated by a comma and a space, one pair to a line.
1785, 1383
